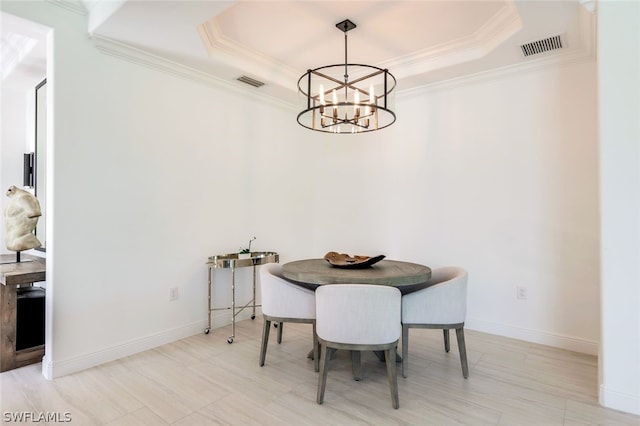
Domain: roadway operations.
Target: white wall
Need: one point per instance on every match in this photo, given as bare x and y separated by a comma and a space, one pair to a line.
619, 89
502, 179
152, 173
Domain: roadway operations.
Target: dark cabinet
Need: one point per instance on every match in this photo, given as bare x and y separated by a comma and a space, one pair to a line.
30, 317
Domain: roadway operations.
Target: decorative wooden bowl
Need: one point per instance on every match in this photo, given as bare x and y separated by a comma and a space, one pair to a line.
341, 260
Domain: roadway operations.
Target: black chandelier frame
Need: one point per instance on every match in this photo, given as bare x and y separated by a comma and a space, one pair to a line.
325, 116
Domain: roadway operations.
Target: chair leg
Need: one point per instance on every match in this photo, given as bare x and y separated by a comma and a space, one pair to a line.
316, 350
392, 375
446, 339
356, 365
405, 348
265, 339
280, 327
322, 377
463, 351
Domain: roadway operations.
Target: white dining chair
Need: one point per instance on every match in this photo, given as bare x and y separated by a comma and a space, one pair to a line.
284, 301
441, 305
358, 317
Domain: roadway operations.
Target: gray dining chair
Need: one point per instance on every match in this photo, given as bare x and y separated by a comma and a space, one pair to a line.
441, 305
284, 301
358, 317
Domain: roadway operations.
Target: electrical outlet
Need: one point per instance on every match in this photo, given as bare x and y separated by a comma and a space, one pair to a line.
521, 293
173, 293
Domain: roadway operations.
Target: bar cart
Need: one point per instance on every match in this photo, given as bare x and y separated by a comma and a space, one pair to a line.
233, 261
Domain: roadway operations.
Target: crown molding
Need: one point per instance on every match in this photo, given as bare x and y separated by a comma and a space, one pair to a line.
500, 73
500, 27
138, 56
476, 45
75, 6
588, 29
586, 53
244, 58
503, 25
588, 5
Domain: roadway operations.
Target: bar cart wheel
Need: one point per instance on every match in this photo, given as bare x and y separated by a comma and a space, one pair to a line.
230, 340
207, 330
253, 317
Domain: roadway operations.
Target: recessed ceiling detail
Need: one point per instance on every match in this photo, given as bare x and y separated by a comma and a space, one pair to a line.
423, 42
410, 37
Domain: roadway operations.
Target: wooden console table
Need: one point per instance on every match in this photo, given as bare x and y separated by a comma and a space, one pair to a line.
12, 275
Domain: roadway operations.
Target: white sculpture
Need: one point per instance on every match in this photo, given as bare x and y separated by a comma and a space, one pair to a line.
21, 217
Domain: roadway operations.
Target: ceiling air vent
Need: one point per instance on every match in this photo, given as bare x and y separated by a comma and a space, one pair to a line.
541, 46
250, 81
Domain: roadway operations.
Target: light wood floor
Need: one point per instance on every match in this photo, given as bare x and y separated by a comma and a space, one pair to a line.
203, 380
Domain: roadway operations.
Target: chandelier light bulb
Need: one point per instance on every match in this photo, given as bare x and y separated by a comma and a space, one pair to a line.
356, 101
353, 111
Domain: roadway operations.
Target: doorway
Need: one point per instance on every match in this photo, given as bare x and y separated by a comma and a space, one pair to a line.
26, 59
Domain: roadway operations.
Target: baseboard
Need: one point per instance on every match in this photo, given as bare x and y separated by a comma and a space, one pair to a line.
622, 401
47, 367
51, 369
56, 369
550, 339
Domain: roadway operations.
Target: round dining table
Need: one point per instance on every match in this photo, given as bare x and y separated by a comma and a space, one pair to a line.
406, 276
311, 273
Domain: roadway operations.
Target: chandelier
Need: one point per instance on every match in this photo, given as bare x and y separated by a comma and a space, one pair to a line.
346, 98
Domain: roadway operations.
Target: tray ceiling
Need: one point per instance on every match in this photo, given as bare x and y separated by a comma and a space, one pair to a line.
274, 42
